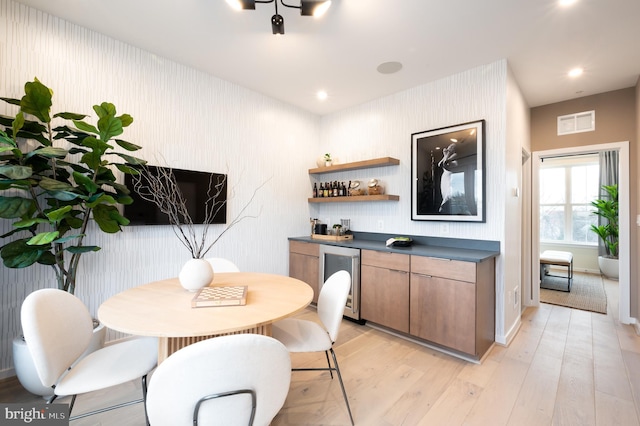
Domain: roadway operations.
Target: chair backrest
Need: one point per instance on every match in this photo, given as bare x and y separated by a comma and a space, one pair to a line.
219, 264
57, 328
218, 365
332, 300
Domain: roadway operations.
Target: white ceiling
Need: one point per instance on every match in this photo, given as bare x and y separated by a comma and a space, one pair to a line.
340, 52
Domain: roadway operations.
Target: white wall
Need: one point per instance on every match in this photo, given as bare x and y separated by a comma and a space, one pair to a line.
192, 120
517, 131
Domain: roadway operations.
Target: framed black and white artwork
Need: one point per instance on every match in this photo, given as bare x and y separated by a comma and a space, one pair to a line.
447, 173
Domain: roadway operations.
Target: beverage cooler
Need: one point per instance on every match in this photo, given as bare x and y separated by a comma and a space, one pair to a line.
334, 259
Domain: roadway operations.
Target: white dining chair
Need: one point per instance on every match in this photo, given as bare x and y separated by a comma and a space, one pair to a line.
57, 328
230, 380
309, 336
219, 264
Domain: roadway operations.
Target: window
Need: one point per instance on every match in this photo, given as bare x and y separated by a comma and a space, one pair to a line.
567, 187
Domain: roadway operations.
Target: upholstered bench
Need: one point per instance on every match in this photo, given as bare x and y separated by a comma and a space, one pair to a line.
556, 258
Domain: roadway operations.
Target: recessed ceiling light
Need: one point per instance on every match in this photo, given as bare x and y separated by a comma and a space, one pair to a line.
322, 95
576, 72
566, 2
389, 67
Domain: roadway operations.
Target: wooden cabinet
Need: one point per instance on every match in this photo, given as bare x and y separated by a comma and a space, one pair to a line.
357, 165
384, 289
304, 261
453, 303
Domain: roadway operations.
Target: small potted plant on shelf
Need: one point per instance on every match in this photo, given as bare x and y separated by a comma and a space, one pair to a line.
607, 209
327, 160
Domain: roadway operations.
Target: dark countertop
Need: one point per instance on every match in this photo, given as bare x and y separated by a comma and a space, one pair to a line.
444, 248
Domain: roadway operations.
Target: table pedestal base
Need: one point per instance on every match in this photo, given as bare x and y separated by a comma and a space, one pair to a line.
169, 345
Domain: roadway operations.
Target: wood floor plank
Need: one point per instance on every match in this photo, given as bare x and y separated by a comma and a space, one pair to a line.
614, 411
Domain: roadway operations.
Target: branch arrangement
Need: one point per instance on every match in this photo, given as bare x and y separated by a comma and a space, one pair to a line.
162, 189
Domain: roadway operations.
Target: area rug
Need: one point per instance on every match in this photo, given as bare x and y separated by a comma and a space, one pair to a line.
587, 292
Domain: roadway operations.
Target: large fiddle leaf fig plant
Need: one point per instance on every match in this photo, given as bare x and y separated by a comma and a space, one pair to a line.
55, 180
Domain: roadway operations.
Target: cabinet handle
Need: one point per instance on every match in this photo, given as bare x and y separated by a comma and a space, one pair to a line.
422, 275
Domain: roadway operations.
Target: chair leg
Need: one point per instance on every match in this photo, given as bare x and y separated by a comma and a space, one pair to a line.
326, 353
344, 392
73, 401
144, 398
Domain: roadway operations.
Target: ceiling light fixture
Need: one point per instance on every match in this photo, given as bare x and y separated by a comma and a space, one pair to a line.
576, 72
314, 8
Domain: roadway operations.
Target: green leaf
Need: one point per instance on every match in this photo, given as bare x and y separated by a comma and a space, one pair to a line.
65, 195
126, 119
14, 207
70, 115
68, 238
85, 127
108, 218
37, 100
16, 172
109, 126
28, 223
58, 214
49, 184
101, 199
126, 169
127, 145
11, 101
131, 160
85, 181
47, 258
43, 238
17, 124
104, 109
82, 249
48, 152
17, 254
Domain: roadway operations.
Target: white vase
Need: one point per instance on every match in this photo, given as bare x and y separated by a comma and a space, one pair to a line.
26, 370
195, 274
609, 267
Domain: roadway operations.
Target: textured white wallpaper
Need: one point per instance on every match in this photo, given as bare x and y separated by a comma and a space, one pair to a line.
191, 120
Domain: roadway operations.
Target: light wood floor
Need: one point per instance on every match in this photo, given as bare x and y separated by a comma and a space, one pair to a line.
565, 367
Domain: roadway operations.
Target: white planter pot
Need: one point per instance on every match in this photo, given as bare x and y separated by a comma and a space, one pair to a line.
609, 267
26, 370
195, 274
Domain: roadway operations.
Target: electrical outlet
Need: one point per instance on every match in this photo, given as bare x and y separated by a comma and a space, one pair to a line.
516, 297
444, 228
380, 224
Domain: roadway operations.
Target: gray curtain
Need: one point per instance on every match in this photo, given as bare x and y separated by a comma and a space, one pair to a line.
608, 176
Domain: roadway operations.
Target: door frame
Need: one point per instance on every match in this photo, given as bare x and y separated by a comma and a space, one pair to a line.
532, 293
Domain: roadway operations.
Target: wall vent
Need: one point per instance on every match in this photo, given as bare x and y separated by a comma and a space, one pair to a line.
577, 123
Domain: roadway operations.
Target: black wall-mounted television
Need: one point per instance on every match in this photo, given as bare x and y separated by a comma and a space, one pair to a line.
194, 187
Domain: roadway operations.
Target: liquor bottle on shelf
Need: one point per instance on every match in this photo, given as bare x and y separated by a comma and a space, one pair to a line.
315, 190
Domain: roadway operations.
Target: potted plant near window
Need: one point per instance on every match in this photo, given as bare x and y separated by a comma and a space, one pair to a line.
52, 198
607, 209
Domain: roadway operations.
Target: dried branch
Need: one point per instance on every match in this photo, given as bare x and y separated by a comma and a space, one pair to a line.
162, 190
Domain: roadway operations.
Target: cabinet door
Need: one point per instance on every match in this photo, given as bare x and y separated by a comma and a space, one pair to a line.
304, 264
384, 297
443, 311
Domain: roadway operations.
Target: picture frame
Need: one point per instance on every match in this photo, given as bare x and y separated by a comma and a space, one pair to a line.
447, 173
